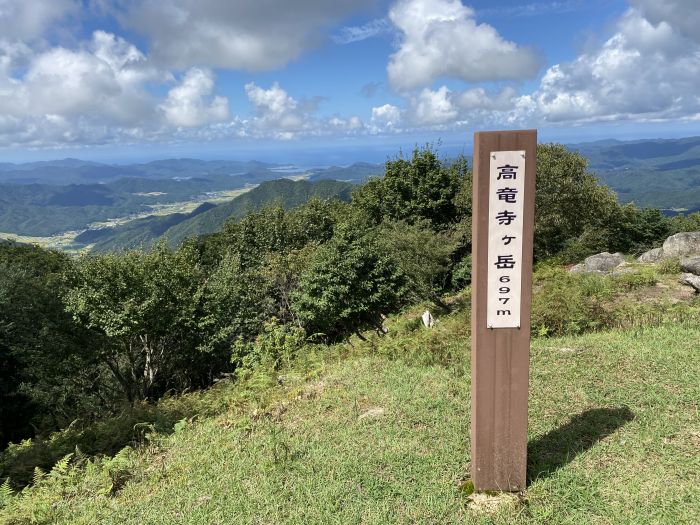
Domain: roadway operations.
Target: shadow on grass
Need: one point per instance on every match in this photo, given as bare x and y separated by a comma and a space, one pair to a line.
548, 453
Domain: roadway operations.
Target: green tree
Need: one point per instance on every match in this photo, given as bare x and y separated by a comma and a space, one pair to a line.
420, 189
236, 303
570, 204
349, 283
422, 255
146, 305
40, 346
685, 223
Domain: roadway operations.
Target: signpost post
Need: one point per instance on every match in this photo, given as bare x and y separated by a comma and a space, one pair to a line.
502, 230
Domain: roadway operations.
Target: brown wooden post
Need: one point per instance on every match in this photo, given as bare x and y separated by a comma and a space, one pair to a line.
500, 356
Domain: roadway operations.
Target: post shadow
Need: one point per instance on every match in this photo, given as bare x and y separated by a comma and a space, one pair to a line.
547, 454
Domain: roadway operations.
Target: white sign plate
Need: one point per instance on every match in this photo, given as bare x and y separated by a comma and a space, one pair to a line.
505, 255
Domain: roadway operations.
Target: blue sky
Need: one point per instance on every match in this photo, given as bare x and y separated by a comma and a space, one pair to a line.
332, 81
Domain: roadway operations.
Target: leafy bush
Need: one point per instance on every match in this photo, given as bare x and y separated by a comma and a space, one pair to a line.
641, 277
349, 284
462, 273
567, 304
276, 346
421, 188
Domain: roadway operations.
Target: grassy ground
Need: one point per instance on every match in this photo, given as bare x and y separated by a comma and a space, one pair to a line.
379, 433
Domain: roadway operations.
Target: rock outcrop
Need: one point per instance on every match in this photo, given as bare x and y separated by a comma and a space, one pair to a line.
652, 256
691, 265
691, 280
600, 263
682, 244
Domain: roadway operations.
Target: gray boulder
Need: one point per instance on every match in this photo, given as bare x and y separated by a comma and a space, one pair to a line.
601, 263
691, 265
652, 256
691, 280
579, 268
682, 245
623, 268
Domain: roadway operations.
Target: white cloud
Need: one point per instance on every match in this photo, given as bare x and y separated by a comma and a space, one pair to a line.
191, 104
442, 109
276, 113
684, 15
27, 20
352, 124
645, 71
279, 115
252, 35
102, 82
386, 118
13, 55
441, 39
479, 98
373, 28
432, 108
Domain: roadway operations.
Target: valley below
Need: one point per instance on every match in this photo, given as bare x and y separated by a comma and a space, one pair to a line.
66, 241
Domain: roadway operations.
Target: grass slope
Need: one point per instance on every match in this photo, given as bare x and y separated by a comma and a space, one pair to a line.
378, 432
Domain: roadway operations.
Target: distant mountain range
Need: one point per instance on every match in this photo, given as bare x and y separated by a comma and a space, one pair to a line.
662, 173
42, 199
45, 200
75, 171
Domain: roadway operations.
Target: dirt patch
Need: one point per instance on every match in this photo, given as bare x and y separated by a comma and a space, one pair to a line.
372, 413
311, 391
492, 503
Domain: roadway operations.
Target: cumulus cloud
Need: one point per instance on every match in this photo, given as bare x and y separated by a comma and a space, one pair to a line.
23, 20
352, 124
276, 113
248, 35
440, 38
386, 118
279, 115
94, 94
479, 98
432, 108
684, 15
102, 82
192, 103
442, 108
645, 71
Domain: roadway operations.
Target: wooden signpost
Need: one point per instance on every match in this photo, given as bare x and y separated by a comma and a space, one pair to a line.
502, 230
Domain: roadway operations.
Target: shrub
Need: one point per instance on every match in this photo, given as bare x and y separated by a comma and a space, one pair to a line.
642, 278
462, 273
567, 304
669, 266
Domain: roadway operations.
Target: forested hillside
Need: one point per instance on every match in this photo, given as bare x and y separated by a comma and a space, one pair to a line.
658, 173
209, 218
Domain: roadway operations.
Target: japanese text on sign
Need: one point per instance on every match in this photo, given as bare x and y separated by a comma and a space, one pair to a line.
505, 252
